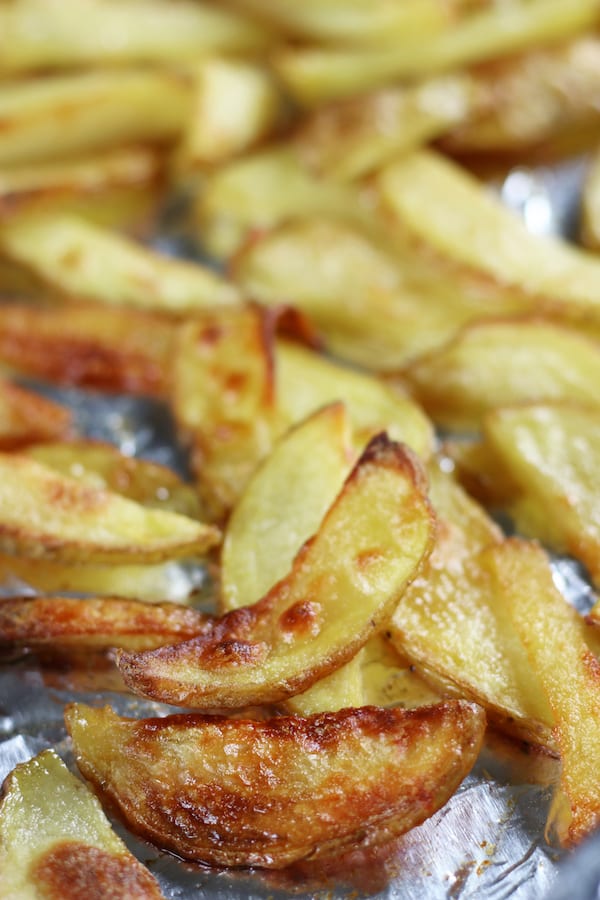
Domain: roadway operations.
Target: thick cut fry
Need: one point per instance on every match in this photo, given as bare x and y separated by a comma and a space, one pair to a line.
108, 349
95, 623
569, 673
51, 516
553, 454
66, 115
51, 34
55, 840
82, 260
266, 793
27, 417
500, 363
439, 203
315, 75
375, 303
454, 629
342, 587
234, 105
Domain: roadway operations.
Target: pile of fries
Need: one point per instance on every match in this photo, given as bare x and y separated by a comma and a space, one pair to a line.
378, 359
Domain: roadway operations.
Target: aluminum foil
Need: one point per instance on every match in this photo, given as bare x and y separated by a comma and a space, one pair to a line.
487, 842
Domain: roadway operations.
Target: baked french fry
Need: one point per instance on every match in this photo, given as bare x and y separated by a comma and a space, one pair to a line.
95, 623
56, 840
569, 674
51, 516
84, 112
501, 363
552, 453
79, 259
48, 34
454, 629
370, 775
27, 417
341, 588
91, 346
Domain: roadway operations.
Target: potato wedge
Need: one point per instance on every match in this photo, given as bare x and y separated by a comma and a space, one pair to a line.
342, 587
124, 32
474, 229
78, 259
108, 349
315, 75
102, 109
55, 840
95, 623
267, 793
454, 629
553, 635
484, 367
27, 417
51, 516
553, 454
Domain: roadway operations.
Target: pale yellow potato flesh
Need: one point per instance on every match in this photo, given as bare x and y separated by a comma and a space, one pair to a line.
569, 674
501, 363
103, 109
267, 793
47, 515
342, 587
55, 840
441, 204
78, 258
552, 453
453, 627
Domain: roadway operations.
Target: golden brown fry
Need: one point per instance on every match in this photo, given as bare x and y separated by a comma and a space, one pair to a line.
107, 349
55, 840
77, 258
27, 417
500, 363
51, 516
342, 587
553, 635
237, 792
95, 623
552, 452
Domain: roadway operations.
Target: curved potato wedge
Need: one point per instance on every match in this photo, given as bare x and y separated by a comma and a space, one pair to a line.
343, 584
44, 514
236, 792
55, 840
27, 417
96, 622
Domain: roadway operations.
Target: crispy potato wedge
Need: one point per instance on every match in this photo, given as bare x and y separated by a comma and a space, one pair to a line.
484, 367
27, 417
235, 104
454, 629
79, 259
375, 303
343, 585
590, 205
98, 347
125, 32
554, 637
104, 466
553, 454
55, 840
475, 229
102, 109
95, 623
315, 75
238, 792
51, 516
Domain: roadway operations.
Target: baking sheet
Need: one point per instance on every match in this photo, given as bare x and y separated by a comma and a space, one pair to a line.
487, 842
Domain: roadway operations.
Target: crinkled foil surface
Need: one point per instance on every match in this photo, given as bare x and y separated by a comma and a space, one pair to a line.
487, 842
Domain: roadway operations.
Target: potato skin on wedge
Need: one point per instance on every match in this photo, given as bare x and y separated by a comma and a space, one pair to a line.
342, 587
238, 792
